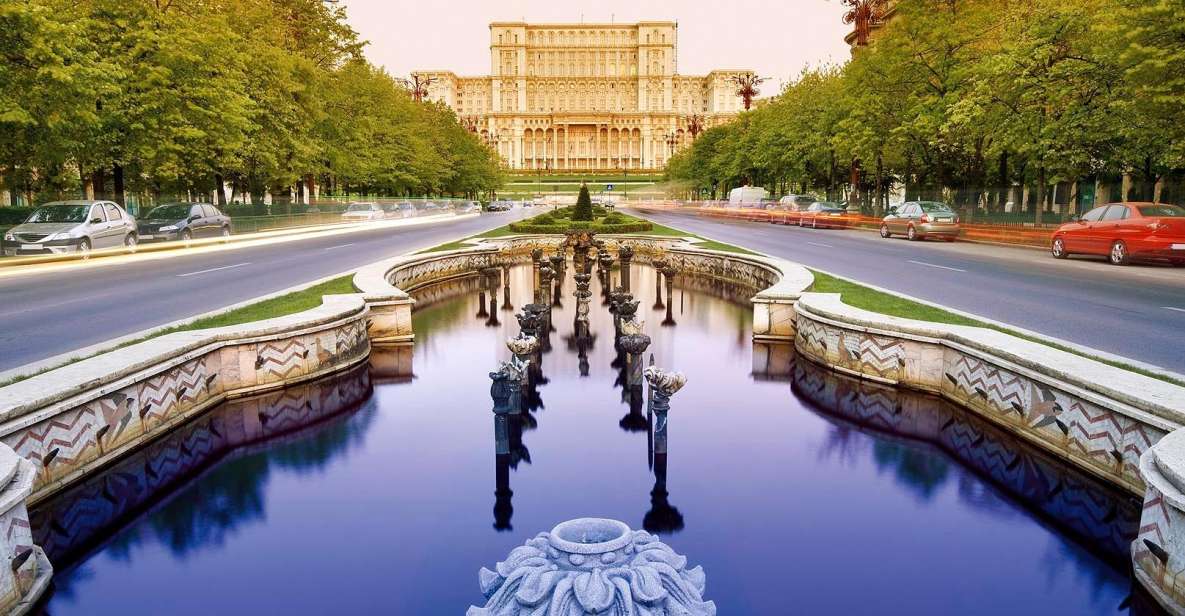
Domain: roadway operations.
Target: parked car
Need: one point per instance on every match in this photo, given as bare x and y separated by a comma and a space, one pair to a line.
499, 206
431, 207
399, 210
825, 214
183, 221
918, 220
467, 207
64, 227
363, 211
1123, 232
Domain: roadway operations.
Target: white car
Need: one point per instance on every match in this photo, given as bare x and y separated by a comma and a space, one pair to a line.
363, 211
64, 227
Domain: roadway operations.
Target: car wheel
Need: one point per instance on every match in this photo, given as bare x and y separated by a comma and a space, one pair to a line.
885, 232
225, 233
186, 235
1119, 254
911, 234
130, 241
84, 248
1058, 248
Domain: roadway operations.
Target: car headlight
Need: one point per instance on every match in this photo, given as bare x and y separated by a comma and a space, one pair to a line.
60, 235
9, 237
168, 228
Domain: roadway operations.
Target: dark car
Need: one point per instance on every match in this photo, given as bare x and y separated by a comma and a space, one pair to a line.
824, 214
183, 221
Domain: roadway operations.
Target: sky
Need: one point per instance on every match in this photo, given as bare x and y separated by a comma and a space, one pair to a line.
776, 39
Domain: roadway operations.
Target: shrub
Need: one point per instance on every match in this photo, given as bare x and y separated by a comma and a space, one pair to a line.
12, 216
583, 210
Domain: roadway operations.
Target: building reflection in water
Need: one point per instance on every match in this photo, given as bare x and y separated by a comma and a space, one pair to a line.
311, 423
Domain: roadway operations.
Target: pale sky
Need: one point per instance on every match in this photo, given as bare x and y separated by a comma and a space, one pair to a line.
774, 38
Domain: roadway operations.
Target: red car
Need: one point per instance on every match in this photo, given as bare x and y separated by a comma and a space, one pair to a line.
1125, 231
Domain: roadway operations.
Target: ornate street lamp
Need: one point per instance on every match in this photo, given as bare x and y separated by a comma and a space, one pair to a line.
747, 87
864, 14
695, 125
418, 84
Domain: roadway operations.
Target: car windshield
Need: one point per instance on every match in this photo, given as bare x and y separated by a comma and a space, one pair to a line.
934, 206
1163, 210
60, 213
176, 211
358, 207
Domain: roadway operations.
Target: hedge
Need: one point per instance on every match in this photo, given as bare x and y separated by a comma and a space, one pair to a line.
14, 215
626, 227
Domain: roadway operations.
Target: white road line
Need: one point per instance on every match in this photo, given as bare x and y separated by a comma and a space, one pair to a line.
339, 246
953, 269
819, 244
213, 269
1173, 309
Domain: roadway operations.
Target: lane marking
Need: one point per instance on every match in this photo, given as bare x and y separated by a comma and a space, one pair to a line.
953, 269
820, 244
339, 246
1173, 309
213, 269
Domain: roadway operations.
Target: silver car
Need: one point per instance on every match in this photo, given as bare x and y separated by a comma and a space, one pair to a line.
918, 220
64, 227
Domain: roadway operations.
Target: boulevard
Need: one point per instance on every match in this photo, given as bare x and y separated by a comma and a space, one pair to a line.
66, 308
1135, 311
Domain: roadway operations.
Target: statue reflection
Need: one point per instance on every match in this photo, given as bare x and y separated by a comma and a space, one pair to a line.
663, 517
491, 279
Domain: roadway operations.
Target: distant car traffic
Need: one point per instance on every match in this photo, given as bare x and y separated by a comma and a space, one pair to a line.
789, 209
467, 207
917, 220
824, 214
499, 206
183, 221
363, 211
431, 207
399, 210
64, 227
1123, 232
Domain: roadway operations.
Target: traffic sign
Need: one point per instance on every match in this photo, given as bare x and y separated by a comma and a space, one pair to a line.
608, 187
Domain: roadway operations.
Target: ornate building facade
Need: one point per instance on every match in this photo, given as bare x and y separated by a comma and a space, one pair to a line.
586, 97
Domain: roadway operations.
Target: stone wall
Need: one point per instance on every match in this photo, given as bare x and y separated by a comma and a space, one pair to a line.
1119, 425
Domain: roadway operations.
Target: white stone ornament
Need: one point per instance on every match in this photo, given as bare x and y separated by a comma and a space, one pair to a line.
593, 566
522, 344
632, 327
665, 382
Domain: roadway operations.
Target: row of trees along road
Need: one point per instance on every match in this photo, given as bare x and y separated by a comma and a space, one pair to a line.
159, 97
976, 102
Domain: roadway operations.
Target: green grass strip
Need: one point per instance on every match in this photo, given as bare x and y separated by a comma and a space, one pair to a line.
283, 305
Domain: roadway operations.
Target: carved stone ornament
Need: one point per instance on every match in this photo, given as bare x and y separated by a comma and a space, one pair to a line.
632, 327
593, 566
665, 383
634, 344
522, 344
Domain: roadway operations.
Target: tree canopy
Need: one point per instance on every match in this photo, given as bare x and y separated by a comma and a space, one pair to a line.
965, 100
168, 96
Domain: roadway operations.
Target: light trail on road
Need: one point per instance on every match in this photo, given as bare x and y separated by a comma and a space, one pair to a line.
953, 269
213, 269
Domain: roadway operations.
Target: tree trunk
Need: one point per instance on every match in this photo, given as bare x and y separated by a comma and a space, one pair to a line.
88, 183
117, 173
1040, 194
99, 179
220, 190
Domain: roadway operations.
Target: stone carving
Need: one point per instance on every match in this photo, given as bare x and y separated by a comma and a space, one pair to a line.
632, 327
593, 566
634, 344
522, 344
663, 384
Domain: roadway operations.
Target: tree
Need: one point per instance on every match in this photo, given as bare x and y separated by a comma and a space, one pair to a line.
583, 209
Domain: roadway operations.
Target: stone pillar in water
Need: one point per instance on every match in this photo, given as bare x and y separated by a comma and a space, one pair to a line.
506, 305
659, 265
663, 385
669, 273
536, 259
625, 255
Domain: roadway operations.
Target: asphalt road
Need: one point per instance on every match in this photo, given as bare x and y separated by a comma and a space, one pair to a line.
53, 312
1136, 311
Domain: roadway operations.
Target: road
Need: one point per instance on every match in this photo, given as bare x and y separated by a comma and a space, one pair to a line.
54, 312
1135, 311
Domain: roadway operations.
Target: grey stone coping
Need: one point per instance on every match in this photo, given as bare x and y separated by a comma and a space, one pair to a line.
1158, 402
1164, 467
32, 398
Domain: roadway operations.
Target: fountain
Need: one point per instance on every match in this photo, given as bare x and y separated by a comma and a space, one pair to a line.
593, 566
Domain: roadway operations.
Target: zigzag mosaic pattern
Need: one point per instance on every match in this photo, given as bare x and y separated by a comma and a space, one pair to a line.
66, 525
1084, 506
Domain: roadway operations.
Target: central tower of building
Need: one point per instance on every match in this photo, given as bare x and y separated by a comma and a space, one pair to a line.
586, 97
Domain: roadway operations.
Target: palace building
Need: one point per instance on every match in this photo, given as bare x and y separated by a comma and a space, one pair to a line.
586, 97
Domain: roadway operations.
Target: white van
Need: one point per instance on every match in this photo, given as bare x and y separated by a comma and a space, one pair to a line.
747, 196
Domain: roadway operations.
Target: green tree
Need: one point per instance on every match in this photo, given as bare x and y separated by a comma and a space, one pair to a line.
583, 210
